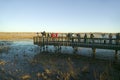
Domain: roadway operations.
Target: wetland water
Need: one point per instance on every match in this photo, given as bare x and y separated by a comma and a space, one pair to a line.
22, 60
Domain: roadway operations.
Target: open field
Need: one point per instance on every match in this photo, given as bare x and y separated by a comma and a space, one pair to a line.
16, 35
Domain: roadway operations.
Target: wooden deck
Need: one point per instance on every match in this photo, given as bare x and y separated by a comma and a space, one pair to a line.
94, 43
101, 43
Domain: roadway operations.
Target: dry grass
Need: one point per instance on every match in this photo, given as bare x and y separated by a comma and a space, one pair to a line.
73, 67
2, 62
16, 35
26, 77
29, 35
62, 67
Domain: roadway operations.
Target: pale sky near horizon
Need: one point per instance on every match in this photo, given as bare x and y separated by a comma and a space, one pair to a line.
60, 15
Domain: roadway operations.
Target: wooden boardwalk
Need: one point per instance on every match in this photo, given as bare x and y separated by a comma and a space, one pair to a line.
75, 42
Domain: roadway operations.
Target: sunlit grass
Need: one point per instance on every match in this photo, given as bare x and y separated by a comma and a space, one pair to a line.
16, 35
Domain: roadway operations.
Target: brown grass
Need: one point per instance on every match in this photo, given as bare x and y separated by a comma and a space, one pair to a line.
16, 35
68, 67
29, 35
64, 67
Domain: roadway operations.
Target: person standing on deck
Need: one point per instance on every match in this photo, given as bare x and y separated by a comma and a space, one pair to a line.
91, 37
69, 36
43, 33
72, 37
48, 34
117, 38
110, 38
85, 38
103, 36
78, 36
37, 34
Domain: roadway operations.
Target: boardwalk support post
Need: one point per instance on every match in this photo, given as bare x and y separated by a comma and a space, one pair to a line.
56, 49
47, 48
43, 44
75, 49
59, 49
43, 48
94, 52
116, 54
40, 49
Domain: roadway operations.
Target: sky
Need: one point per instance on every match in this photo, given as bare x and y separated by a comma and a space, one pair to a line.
60, 16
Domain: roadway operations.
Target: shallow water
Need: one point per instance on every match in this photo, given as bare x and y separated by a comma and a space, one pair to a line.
26, 47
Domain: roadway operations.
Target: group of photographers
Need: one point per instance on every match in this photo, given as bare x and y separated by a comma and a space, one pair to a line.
91, 38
